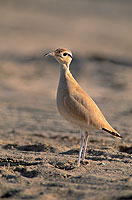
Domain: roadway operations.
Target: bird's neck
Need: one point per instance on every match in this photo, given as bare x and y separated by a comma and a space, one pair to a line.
64, 73
65, 76
64, 69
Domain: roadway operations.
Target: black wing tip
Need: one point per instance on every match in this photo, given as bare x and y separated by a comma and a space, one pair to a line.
112, 133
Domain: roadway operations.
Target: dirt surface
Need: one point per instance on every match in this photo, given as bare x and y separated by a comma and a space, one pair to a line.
38, 148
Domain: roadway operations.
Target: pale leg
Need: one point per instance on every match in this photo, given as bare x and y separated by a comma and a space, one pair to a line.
81, 148
85, 144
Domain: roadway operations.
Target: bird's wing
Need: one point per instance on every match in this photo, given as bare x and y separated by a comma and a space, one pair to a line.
75, 108
80, 106
83, 109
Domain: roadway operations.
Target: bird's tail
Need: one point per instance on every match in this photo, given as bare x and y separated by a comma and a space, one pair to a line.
113, 132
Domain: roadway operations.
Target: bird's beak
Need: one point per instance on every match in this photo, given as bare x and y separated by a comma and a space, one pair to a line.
49, 54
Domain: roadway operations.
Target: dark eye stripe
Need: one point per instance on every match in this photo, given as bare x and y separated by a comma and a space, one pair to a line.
70, 55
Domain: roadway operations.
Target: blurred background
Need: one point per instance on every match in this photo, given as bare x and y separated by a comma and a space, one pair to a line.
30, 26
99, 33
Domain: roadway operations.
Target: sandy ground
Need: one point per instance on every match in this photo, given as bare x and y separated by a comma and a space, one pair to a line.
38, 148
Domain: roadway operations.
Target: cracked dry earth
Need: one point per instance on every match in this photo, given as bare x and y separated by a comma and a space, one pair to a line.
39, 149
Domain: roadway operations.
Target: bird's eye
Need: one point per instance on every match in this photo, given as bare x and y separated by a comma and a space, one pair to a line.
64, 54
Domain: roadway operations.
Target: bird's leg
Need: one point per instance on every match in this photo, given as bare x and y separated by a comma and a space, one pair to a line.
81, 148
85, 144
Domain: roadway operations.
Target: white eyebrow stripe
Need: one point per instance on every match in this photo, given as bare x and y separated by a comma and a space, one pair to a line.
69, 54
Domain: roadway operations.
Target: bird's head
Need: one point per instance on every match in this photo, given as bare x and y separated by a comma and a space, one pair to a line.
63, 56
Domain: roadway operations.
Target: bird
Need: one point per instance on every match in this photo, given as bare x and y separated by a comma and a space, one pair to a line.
75, 105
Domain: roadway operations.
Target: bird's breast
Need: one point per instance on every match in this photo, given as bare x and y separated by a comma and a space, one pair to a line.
63, 91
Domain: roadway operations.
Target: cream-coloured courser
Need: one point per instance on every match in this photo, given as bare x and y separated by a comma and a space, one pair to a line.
75, 105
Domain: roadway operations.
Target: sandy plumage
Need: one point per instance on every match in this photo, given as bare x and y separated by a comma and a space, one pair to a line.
75, 105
